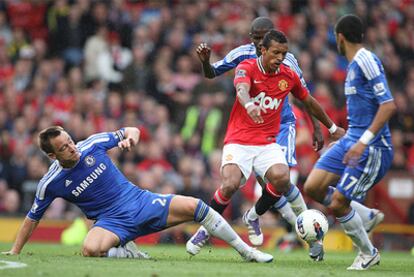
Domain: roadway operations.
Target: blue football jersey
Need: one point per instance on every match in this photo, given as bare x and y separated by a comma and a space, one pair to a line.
95, 184
248, 51
366, 89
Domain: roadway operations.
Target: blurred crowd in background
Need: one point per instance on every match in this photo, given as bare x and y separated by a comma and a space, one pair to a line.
95, 66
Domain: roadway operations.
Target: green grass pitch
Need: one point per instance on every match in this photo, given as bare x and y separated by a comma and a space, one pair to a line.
61, 261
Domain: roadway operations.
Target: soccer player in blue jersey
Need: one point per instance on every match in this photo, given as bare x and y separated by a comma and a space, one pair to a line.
84, 174
362, 157
292, 203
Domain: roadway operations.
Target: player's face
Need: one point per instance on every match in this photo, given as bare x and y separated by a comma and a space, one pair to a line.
256, 37
274, 55
65, 150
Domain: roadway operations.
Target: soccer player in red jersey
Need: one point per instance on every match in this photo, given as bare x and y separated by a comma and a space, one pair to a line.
262, 86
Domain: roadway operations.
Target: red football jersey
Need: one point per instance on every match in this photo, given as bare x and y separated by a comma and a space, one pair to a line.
268, 91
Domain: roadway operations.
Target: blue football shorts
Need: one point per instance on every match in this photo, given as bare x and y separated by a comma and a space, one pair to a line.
356, 181
286, 139
129, 222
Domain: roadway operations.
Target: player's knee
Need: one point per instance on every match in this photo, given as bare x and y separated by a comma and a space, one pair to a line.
229, 186
338, 207
90, 250
191, 205
280, 181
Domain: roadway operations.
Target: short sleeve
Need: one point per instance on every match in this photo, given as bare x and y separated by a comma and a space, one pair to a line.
299, 90
242, 74
104, 141
381, 90
39, 206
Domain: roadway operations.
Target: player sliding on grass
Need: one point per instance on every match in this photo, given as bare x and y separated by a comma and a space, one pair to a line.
84, 174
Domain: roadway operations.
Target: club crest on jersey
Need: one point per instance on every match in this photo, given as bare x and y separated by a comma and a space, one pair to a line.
229, 157
283, 84
90, 160
241, 73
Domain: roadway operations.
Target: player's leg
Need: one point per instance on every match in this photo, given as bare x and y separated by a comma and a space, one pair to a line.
350, 221
184, 209
320, 187
282, 205
286, 139
236, 161
98, 241
271, 164
321, 182
354, 184
236, 164
231, 177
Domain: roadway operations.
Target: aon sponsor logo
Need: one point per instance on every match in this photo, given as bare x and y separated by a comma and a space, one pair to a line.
267, 102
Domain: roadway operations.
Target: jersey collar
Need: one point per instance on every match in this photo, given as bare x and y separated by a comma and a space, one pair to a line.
362, 49
259, 61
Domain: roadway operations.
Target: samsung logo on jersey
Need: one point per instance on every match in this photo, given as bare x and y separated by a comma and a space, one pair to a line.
267, 102
350, 90
89, 180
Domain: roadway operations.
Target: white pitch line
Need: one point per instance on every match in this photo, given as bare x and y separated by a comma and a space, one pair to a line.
9, 264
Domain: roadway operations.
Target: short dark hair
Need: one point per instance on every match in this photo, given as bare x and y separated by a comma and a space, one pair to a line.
261, 23
351, 27
45, 136
275, 35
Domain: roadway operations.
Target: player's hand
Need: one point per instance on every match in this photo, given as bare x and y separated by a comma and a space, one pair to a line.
353, 155
255, 112
317, 139
203, 52
126, 144
339, 133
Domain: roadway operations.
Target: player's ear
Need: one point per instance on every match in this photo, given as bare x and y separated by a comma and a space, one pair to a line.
51, 156
339, 37
263, 49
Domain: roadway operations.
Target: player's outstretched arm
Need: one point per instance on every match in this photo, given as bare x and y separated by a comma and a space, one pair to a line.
314, 108
131, 138
204, 53
23, 236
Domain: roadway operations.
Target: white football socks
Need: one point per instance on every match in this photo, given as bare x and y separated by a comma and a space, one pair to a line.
285, 210
354, 228
217, 226
118, 252
295, 198
363, 211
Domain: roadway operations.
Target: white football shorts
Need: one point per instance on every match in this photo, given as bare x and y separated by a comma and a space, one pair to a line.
253, 157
